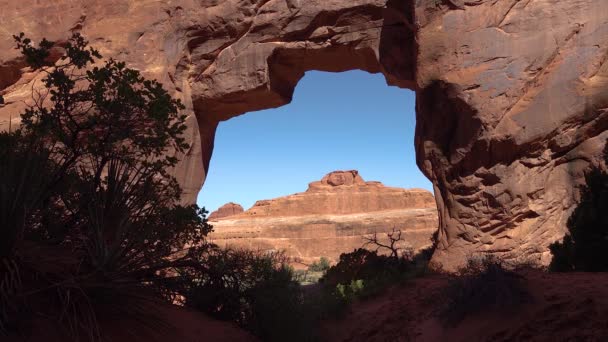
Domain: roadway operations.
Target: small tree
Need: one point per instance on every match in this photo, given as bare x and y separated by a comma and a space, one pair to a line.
256, 290
321, 266
585, 247
394, 238
89, 217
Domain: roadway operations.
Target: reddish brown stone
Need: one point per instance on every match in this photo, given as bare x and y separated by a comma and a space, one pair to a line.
512, 95
331, 218
228, 209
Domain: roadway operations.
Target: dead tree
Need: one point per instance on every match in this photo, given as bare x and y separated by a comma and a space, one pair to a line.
393, 238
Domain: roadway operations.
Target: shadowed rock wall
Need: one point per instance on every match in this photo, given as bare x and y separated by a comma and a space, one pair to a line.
511, 93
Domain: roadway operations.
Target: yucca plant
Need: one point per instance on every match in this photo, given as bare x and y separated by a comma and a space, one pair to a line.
89, 217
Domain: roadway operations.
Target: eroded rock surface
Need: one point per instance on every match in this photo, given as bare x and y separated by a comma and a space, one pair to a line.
228, 209
221, 58
512, 94
331, 218
512, 108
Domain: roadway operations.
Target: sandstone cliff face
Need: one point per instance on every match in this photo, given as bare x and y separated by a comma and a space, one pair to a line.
331, 218
512, 94
520, 89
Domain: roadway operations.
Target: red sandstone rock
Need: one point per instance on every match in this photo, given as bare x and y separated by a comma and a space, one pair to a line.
331, 218
228, 209
512, 95
511, 106
338, 178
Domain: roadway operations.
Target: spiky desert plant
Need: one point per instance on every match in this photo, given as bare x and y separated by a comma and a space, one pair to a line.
89, 216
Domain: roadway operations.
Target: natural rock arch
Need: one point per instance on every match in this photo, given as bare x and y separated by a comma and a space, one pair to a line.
512, 101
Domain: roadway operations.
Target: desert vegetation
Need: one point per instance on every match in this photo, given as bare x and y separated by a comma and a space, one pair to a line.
485, 284
89, 216
91, 222
365, 272
90, 219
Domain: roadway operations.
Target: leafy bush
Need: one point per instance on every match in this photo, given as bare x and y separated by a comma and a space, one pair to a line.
89, 220
483, 284
256, 290
364, 273
321, 266
585, 247
349, 292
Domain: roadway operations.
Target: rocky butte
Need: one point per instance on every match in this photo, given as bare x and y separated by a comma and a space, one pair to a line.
228, 209
512, 95
330, 218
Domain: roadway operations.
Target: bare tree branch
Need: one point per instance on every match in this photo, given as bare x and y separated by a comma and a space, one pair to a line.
393, 238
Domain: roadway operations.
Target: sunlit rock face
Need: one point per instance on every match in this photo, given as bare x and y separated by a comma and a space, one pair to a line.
331, 217
221, 58
228, 209
512, 94
512, 108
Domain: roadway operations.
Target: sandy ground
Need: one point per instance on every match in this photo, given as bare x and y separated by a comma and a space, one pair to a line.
184, 326
564, 307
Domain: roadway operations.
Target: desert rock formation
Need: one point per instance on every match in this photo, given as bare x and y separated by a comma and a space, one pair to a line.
512, 94
226, 210
331, 218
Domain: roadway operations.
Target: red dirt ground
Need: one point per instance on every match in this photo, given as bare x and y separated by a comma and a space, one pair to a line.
185, 326
565, 307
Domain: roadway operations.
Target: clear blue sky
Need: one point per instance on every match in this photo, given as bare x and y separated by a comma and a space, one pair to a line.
336, 121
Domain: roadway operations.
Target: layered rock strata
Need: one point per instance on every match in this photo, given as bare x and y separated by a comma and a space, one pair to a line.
331, 218
512, 94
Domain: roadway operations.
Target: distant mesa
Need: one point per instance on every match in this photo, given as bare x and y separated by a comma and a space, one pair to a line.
331, 217
228, 209
338, 193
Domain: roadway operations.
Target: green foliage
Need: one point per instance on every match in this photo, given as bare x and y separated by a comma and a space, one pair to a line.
585, 247
256, 290
364, 273
349, 292
483, 284
34, 57
89, 220
375, 271
321, 266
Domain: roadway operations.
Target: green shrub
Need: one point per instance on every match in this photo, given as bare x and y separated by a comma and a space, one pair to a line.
484, 284
258, 291
321, 266
89, 220
364, 273
375, 271
349, 292
585, 247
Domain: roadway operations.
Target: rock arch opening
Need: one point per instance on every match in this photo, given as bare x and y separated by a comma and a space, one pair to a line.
336, 121
525, 80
